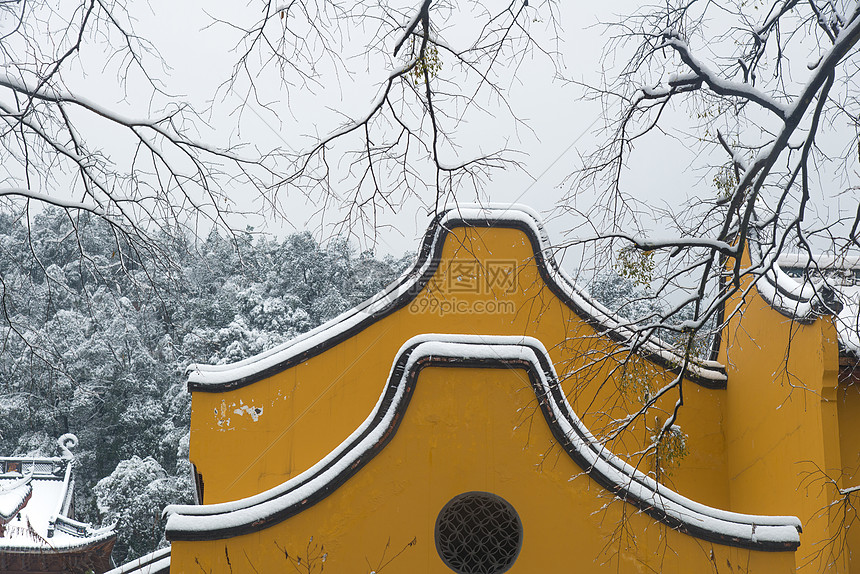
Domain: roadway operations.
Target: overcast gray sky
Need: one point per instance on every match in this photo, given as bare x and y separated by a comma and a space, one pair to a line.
563, 125
196, 38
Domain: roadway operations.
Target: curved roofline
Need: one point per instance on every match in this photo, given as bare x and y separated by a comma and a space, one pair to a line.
21, 498
225, 520
803, 302
85, 544
828, 295
157, 562
220, 378
83, 535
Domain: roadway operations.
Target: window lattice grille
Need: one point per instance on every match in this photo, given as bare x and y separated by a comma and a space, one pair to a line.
478, 533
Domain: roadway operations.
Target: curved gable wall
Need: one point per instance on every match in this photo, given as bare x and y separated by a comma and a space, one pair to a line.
494, 437
272, 417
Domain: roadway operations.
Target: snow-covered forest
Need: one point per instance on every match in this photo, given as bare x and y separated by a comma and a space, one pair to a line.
96, 338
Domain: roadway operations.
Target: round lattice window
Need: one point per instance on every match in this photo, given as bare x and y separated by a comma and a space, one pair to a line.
478, 533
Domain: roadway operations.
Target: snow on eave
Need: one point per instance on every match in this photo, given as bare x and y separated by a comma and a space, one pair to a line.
228, 519
56, 546
803, 302
14, 497
215, 378
153, 563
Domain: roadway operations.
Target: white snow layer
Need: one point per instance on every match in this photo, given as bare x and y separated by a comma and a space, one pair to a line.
220, 374
41, 523
800, 298
751, 528
848, 320
13, 496
154, 562
803, 300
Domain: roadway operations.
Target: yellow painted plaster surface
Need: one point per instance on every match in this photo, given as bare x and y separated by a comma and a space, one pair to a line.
782, 426
467, 430
307, 410
845, 511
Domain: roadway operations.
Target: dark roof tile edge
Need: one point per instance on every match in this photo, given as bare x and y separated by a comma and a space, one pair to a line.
220, 378
219, 521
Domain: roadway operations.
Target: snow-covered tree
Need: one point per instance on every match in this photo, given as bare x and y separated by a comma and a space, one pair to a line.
102, 354
133, 496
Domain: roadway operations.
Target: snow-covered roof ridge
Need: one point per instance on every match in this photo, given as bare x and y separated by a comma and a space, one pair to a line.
223, 520
216, 378
157, 562
804, 301
839, 276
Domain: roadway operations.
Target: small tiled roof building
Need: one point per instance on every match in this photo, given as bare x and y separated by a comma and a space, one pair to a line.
38, 532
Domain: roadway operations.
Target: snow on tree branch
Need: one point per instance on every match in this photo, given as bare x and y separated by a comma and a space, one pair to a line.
720, 82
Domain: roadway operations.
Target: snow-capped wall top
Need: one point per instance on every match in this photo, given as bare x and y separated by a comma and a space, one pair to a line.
224, 520
839, 279
157, 562
214, 378
803, 301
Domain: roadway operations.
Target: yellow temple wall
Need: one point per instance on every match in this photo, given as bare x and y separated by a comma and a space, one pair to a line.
783, 422
471, 430
779, 440
845, 512
308, 409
